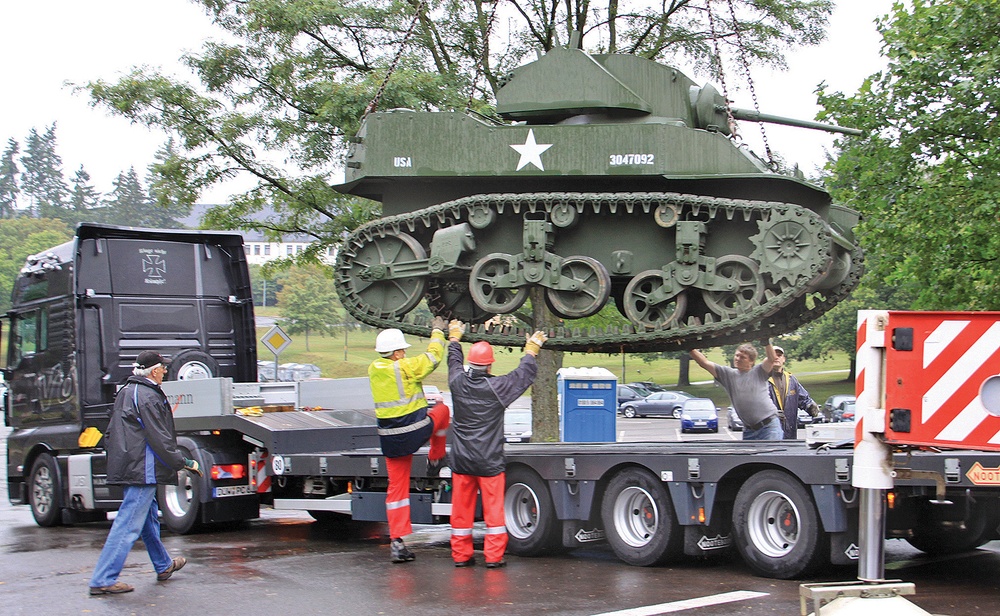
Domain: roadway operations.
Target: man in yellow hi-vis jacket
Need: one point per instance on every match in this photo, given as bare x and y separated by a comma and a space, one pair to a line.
404, 423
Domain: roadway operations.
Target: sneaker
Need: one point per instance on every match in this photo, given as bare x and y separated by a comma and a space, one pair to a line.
115, 589
497, 564
399, 553
177, 564
466, 563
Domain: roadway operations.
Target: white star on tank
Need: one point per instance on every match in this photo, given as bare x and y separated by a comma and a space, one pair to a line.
531, 152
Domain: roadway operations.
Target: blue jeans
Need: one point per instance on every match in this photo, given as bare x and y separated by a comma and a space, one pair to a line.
137, 517
771, 431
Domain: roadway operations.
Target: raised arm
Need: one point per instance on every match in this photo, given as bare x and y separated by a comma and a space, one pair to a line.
770, 356
700, 359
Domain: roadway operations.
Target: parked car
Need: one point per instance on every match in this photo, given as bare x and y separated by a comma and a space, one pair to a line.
833, 402
699, 414
517, 425
845, 411
628, 393
666, 403
649, 386
433, 395
734, 421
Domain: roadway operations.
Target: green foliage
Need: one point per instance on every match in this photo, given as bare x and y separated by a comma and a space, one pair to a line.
42, 180
21, 237
926, 175
9, 187
309, 301
83, 196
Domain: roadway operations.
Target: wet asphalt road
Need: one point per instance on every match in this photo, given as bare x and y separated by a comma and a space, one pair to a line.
284, 563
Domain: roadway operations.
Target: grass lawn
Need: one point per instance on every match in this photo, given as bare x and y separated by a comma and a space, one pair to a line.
338, 357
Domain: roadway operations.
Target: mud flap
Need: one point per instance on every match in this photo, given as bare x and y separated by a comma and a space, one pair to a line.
844, 548
581, 533
707, 541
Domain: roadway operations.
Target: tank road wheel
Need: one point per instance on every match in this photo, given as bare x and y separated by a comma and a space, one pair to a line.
180, 503
649, 314
380, 296
452, 300
530, 516
639, 519
749, 290
776, 526
486, 274
593, 288
44, 491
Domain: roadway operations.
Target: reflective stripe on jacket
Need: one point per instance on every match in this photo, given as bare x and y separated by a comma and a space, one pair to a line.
397, 386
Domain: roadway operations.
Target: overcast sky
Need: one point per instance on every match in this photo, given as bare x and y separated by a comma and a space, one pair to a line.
45, 43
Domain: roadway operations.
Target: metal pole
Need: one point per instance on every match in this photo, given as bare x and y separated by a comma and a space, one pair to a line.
871, 535
275, 367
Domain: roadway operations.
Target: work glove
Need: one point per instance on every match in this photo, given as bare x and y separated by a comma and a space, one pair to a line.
192, 466
439, 323
534, 344
813, 410
455, 329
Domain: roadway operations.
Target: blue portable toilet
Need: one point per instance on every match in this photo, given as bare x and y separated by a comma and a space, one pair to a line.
588, 402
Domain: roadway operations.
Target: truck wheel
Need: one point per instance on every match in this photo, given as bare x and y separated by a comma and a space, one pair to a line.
179, 504
776, 526
532, 527
190, 365
629, 412
938, 540
44, 491
639, 519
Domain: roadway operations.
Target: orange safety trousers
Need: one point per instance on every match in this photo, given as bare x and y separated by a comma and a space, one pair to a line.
463, 511
397, 498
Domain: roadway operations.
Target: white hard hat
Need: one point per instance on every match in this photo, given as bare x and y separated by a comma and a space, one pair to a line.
390, 340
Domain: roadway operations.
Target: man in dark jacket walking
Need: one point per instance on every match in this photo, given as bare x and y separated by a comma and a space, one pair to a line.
142, 452
477, 461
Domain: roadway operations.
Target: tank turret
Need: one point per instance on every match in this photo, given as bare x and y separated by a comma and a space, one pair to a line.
606, 178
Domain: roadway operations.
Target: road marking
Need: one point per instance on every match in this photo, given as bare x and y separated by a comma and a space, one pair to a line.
687, 604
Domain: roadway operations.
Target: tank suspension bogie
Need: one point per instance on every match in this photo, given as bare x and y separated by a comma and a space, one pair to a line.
710, 282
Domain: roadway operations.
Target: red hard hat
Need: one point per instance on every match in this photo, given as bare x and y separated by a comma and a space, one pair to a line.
481, 354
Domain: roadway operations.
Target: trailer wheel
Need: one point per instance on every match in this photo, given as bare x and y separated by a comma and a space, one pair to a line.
532, 527
938, 540
44, 491
776, 526
190, 365
639, 519
180, 503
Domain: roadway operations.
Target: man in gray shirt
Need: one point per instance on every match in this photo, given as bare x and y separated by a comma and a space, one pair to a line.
747, 387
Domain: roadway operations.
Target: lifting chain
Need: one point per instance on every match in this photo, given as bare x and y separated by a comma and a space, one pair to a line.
395, 61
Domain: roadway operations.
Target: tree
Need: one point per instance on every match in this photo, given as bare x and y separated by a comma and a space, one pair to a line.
42, 180
281, 101
83, 197
21, 237
171, 195
309, 302
128, 203
9, 188
926, 175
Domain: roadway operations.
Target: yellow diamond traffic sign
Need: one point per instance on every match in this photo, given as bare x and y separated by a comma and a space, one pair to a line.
276, 340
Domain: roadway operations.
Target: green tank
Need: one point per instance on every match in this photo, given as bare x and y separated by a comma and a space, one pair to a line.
609, 178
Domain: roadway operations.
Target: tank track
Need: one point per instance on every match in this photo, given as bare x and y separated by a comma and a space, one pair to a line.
779, 312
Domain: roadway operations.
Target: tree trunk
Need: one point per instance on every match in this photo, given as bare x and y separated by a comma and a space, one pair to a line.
545, 393
684, 371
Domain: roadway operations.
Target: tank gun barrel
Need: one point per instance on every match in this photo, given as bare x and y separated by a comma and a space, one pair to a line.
755, 116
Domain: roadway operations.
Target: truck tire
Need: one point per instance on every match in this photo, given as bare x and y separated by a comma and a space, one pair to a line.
938, 540
776, 527
639, 519
190, 365
180, 504
44, 491
530, 516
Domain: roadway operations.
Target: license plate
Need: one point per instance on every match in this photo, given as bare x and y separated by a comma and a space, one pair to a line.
231, 491
514, 439
699, 423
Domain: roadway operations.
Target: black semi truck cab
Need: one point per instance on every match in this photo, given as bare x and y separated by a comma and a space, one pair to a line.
81, 313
